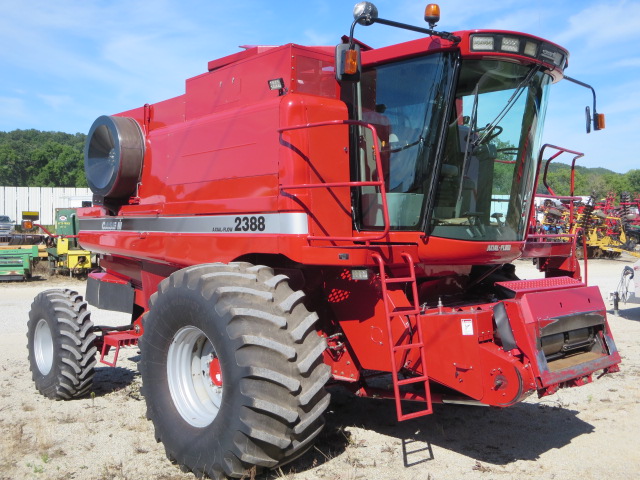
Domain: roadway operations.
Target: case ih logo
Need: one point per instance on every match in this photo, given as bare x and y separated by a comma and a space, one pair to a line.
112, 225
498, 248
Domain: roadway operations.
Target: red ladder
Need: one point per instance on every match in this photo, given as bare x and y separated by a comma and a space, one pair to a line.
127, 338
412, 312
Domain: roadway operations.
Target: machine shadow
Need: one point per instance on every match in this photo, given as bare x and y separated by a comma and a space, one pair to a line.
112, 379
630, 313
490, 435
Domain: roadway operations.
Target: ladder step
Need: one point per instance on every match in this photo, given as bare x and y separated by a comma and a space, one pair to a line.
412, 380
409, 346
420, 413
116, 340
402, 311
399, 280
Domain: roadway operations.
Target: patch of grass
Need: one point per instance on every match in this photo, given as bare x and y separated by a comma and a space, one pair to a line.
14, 444
326, 457
250, 475
42, 439
35, 467
114, 470
140, 449
280, 475
387, 448
67, 419
480, 468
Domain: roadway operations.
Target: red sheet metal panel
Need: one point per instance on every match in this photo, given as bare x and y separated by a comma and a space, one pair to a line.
543, 284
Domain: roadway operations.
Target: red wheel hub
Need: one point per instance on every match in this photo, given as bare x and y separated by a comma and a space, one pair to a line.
215, 372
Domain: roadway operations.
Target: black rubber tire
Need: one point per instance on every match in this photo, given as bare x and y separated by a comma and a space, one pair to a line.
270, 356
61, 345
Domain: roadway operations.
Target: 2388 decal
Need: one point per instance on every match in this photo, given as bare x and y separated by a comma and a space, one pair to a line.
250, 224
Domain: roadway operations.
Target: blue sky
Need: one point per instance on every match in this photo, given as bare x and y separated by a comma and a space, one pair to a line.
63, 63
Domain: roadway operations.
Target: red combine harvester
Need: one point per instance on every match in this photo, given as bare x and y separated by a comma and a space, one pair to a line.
305, 216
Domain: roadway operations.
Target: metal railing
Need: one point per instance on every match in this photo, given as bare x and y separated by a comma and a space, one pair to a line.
350, 184
573, 232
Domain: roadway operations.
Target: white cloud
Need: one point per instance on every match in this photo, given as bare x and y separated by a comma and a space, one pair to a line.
633, 62
598, 23
315, 38
11, 108
623, 98
56, 102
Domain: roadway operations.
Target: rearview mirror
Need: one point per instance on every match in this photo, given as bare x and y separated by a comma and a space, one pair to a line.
598, 120
587, 114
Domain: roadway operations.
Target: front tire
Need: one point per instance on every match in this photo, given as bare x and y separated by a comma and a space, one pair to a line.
232, 369
61, 345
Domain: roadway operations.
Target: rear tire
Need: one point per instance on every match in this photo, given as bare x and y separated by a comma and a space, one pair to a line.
61, 345
232, 369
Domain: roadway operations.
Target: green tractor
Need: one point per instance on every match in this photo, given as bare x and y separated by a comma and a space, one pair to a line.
17, 261
65, 254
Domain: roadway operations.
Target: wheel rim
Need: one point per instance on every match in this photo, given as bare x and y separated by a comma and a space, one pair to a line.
189, 372
43, 347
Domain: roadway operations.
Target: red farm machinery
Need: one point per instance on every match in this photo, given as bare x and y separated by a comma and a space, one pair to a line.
308, 216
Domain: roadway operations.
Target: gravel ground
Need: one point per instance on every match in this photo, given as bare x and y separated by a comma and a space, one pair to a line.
581, 433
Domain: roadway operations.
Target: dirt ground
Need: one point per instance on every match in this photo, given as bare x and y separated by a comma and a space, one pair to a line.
582, 433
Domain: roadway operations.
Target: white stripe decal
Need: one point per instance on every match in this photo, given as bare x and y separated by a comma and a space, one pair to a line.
268, 223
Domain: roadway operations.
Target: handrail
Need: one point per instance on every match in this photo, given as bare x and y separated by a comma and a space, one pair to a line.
378, 183
573, 236
552, 235
561, 150
559, 197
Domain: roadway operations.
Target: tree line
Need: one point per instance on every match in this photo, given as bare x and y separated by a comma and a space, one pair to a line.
32, 158
591, 181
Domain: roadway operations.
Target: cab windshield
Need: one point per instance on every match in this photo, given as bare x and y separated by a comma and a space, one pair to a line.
485, 186
468, 155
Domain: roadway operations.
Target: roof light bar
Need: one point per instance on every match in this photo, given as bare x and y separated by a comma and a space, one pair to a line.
479, 42
510, 44
531, 49
499, 42
552, 54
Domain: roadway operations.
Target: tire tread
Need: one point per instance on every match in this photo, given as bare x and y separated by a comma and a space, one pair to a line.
74, 360
279, 354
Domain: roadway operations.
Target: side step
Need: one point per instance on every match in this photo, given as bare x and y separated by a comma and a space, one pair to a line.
127, 338
412, 314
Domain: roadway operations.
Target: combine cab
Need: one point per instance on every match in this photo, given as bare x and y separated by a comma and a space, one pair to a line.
307, 216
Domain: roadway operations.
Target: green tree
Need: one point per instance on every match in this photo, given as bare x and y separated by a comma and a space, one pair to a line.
58, 165
616, 183
12, 169
35, 158
633, 177
503, 167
